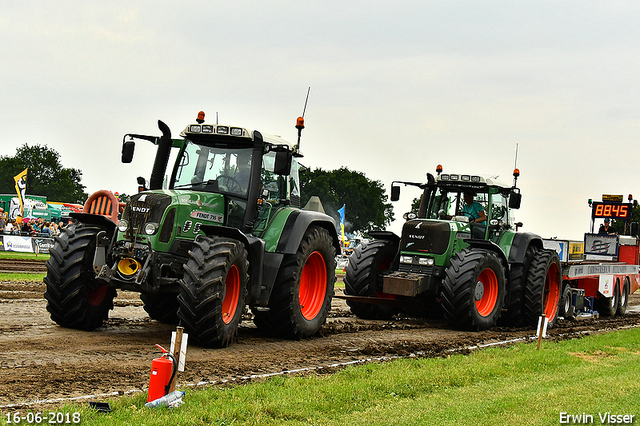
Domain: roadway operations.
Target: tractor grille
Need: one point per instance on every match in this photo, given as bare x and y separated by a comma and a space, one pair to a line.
425, 236
416, 269
144, 208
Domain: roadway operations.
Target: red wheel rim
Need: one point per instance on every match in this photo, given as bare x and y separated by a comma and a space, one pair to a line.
231, 295
552, 292
486, 292
96, 295
313, 285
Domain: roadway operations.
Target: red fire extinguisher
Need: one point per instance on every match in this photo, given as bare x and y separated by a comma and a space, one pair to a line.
163, 370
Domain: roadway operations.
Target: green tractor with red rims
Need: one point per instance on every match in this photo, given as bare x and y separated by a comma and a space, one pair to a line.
223, 233
472, 269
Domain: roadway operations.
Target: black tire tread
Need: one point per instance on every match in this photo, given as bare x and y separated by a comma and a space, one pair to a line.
284, 318
457, 290
202, 290
362, 278
69, 276
534, 290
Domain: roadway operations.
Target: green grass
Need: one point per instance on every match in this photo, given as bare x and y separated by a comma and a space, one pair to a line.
496, 386
27, 256
21, 277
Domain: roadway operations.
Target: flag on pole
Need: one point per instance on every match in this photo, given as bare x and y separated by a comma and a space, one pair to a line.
21, 188
341, 211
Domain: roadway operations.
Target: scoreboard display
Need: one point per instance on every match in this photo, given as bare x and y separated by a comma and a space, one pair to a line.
603, 210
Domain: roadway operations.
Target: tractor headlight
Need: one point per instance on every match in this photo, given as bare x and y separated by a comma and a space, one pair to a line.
406, 259
428, 261
123, 225
150, 228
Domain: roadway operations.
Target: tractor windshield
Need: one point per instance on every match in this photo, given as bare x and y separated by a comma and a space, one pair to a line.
449, 202
214, 169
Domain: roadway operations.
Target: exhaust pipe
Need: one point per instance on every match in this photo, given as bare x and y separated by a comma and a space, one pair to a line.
162, 157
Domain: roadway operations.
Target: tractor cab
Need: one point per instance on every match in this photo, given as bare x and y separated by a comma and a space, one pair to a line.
470, 199
250, 170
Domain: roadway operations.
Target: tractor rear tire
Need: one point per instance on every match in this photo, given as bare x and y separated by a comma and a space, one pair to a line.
608, 306
213, 291
567, 309
623, 303
544, 288
161, 307
301, 297
513, 317
362, 278
75, 299
473, 290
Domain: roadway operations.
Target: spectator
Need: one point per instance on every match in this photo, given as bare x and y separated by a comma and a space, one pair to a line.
8, 228
3, 219
25, 229
46, 231
35, 227
54, 229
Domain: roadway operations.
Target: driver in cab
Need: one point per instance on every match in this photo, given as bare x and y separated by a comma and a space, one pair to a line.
475, 212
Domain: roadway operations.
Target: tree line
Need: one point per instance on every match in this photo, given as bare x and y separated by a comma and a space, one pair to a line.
367, 206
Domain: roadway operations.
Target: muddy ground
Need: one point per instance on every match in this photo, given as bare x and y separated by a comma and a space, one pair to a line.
40, 360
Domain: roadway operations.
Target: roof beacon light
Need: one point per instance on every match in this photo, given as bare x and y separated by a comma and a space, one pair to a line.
516, 173
200, 118
439, 169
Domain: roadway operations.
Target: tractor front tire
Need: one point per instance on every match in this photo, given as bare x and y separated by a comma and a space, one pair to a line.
75, 299
161, 307
213, 291
473, 290
301, 297
544, 288
362, 278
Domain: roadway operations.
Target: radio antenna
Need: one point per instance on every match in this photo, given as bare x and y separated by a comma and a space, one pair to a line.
300, 122
516, 172
305, 102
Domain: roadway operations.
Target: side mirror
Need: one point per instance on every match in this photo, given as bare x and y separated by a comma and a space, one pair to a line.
142, 184
282, 164
515, 198
395, 193
127, 151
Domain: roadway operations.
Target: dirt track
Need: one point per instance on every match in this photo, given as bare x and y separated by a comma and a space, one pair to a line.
41, 361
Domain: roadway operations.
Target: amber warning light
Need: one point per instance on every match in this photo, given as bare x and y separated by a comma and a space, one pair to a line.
200, 118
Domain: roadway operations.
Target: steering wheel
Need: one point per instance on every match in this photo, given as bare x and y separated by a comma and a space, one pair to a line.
498, 212
233, 185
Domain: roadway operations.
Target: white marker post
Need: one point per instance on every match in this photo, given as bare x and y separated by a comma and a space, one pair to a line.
543, 322
179, 351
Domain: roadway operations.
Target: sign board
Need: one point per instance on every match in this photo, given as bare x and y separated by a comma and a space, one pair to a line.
614, 198
576, 250
601, 244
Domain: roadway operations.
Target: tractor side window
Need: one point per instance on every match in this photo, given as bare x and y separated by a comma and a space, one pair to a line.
499, 208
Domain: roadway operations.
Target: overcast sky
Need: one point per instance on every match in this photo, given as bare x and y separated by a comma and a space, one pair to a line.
396, 88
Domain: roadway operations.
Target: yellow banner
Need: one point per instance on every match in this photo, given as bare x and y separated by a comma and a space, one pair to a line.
21, 188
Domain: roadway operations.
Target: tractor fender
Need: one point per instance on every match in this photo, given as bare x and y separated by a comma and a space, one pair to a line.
386, 235
95, 219
297, 224
491, 246
521, 242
